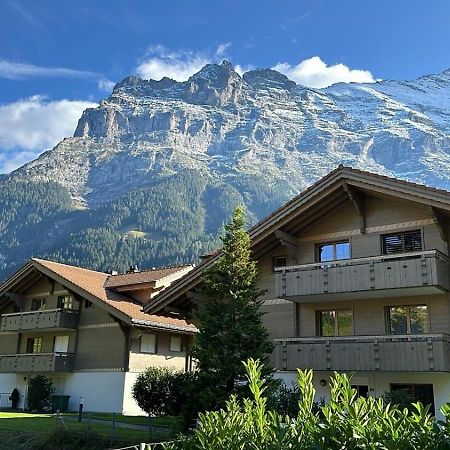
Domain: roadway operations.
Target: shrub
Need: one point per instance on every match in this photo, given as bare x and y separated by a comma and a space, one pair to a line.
40, 393
284, 399
153, 391
346, 422
163, 392
400, 398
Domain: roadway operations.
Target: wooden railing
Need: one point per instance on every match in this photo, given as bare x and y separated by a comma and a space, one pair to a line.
389, 353
36, 362
46, 318
406, 270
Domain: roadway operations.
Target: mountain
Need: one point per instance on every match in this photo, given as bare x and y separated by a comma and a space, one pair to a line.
151, 174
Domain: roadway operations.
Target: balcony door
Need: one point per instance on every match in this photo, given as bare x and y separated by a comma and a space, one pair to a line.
417, 393
61, 344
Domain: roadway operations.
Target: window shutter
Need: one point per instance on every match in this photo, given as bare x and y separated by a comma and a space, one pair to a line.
408, 241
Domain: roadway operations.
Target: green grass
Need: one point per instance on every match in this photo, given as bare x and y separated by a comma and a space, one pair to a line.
38, 425
169, 422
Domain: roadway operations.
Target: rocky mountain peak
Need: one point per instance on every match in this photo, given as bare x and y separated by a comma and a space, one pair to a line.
268, 78
214, 85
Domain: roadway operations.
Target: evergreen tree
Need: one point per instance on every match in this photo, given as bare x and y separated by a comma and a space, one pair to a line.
230, 316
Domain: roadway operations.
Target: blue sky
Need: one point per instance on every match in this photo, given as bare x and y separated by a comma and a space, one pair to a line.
58, 57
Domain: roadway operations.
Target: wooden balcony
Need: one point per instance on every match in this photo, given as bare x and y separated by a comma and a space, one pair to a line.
39, 320
402, 274
388, 353
36, 362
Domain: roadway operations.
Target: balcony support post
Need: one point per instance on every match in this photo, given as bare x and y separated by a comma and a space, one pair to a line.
357, 200
430, 354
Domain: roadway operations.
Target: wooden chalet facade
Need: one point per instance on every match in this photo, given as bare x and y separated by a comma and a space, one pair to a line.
357, 276
87, 332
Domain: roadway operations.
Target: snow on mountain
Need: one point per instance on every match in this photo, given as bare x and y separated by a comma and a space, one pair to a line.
262, 123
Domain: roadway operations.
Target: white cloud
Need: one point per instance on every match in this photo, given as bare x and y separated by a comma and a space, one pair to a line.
179, 65
222, 49
242, 69
32, 125
313, 72
10, 161
106, 85
17, 71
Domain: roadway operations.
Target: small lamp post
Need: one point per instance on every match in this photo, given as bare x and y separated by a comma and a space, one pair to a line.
80, 409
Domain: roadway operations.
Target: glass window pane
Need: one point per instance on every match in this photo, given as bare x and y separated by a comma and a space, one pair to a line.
345, 322
328, 323
343, 250
280, 261
398, 320
419, 319
148, 343
176, 344
413, 241
326, 252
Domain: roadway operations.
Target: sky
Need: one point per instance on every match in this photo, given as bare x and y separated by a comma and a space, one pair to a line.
59, 57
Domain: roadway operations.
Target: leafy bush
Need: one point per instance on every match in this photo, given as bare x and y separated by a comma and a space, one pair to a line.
400, 398
153, 391
40, 393
163, 392
347, 422
284, 399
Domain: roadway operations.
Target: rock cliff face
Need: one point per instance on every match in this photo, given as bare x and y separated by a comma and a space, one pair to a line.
225, 125
261, 135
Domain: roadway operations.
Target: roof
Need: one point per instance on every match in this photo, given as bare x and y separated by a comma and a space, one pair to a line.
142, 277
335, 180
92, 285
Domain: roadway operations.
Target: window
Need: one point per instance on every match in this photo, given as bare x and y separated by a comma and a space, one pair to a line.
417, 393
279, 261
408, 319
148, 343
337, 322
362, 390
65, 302
34, 345
333, 251
87, 304
37, 304
407, 241
176, 344
61, 344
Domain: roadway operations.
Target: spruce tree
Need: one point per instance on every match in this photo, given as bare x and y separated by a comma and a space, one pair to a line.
230, 316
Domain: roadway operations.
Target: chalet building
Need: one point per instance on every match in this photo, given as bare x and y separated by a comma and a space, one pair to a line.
357, 276
87, 331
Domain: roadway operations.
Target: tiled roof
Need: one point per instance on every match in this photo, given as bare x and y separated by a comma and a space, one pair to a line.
144, 276
94, 282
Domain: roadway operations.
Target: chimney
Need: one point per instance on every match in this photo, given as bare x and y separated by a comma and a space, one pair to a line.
133, 269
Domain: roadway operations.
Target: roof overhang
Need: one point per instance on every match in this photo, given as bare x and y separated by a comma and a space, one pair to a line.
332, 191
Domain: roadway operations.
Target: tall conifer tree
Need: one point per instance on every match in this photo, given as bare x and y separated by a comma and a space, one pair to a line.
230, 316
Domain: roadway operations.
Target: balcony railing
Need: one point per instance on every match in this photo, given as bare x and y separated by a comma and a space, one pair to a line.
387, 353
47, 318
36, 362
406, 270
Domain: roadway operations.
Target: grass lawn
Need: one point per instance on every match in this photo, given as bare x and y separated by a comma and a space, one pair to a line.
37, 425
167, 422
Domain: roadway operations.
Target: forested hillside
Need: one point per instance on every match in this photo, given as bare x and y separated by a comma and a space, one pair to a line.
172, 221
